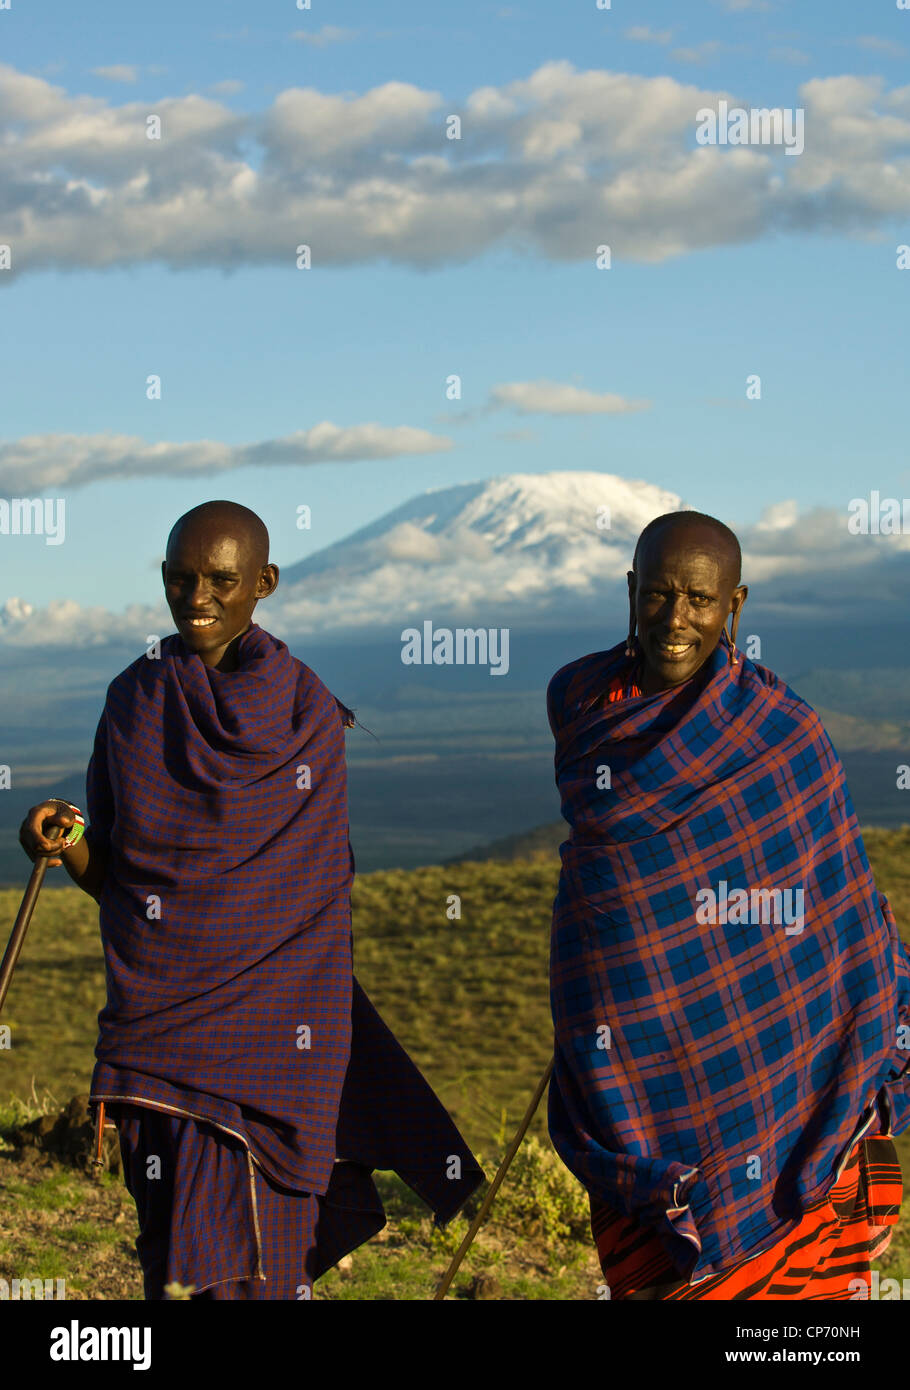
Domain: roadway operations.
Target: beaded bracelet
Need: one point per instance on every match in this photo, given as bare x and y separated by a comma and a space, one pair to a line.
77, 829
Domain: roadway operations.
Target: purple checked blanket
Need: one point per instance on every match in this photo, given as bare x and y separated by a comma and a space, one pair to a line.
730, 995
225, 918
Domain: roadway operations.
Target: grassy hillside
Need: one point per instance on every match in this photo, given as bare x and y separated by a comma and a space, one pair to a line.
468, 998
543, 842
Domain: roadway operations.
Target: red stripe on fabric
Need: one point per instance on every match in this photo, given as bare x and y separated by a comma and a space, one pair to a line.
817, 1260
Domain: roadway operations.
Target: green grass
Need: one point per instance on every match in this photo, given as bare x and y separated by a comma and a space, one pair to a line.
92, 1233
57, 1192
467, 998
42, 1259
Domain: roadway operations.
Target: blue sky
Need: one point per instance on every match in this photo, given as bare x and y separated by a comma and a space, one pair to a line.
787, 271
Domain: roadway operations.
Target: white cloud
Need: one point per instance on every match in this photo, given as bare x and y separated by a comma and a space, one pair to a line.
702, 52
780, 516
795, 56
555, 398
643, 33
529, 547
873, 44
36, 462
558, 162
329, 33
65, 623
522, 436
228, 87
118, 72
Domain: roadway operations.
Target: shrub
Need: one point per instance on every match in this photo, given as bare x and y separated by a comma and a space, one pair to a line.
539, 1197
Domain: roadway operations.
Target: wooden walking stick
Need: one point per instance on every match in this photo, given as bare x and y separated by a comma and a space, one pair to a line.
11, 956
23, 917
98, 1147
487, 1202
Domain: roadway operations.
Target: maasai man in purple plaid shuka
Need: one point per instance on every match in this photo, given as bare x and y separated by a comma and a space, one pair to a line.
254, 1086
717, 1059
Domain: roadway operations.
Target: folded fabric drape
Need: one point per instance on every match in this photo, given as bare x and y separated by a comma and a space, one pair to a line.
730, 995
225, 919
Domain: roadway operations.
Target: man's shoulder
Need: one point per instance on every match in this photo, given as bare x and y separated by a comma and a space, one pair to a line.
784, 697
150, 663
573, 685
582, 671
313, 691
309, 679
775, 684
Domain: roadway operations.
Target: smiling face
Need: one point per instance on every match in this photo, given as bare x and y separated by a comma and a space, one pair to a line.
681, 593
214, 576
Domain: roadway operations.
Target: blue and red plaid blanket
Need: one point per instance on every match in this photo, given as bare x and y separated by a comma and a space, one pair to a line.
226, 925
717, 1051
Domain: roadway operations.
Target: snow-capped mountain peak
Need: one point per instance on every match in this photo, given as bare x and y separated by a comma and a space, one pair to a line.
524, 538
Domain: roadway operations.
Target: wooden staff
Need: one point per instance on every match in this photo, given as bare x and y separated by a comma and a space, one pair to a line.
511, 1151
11, 956
98, 1148
24, 916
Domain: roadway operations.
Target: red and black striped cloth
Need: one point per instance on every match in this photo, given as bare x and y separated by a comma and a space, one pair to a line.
828, 1255
232, 1012
712, 1077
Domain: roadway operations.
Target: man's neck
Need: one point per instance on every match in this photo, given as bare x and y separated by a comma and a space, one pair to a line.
228, 661
649, 683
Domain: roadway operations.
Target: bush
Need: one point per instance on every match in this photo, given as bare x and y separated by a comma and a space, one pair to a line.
539, 1197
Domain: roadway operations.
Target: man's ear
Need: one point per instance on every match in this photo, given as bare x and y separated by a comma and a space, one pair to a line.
737, 600
633, 620
267, 582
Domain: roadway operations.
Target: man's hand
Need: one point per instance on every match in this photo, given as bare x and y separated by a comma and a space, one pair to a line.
32, 836
86, 863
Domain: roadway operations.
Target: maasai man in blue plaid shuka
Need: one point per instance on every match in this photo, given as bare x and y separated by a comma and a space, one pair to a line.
730, 994
254, 1086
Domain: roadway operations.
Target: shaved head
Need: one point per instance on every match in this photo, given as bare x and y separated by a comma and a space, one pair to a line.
701, 527
231, 519
216, 571
683, 585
